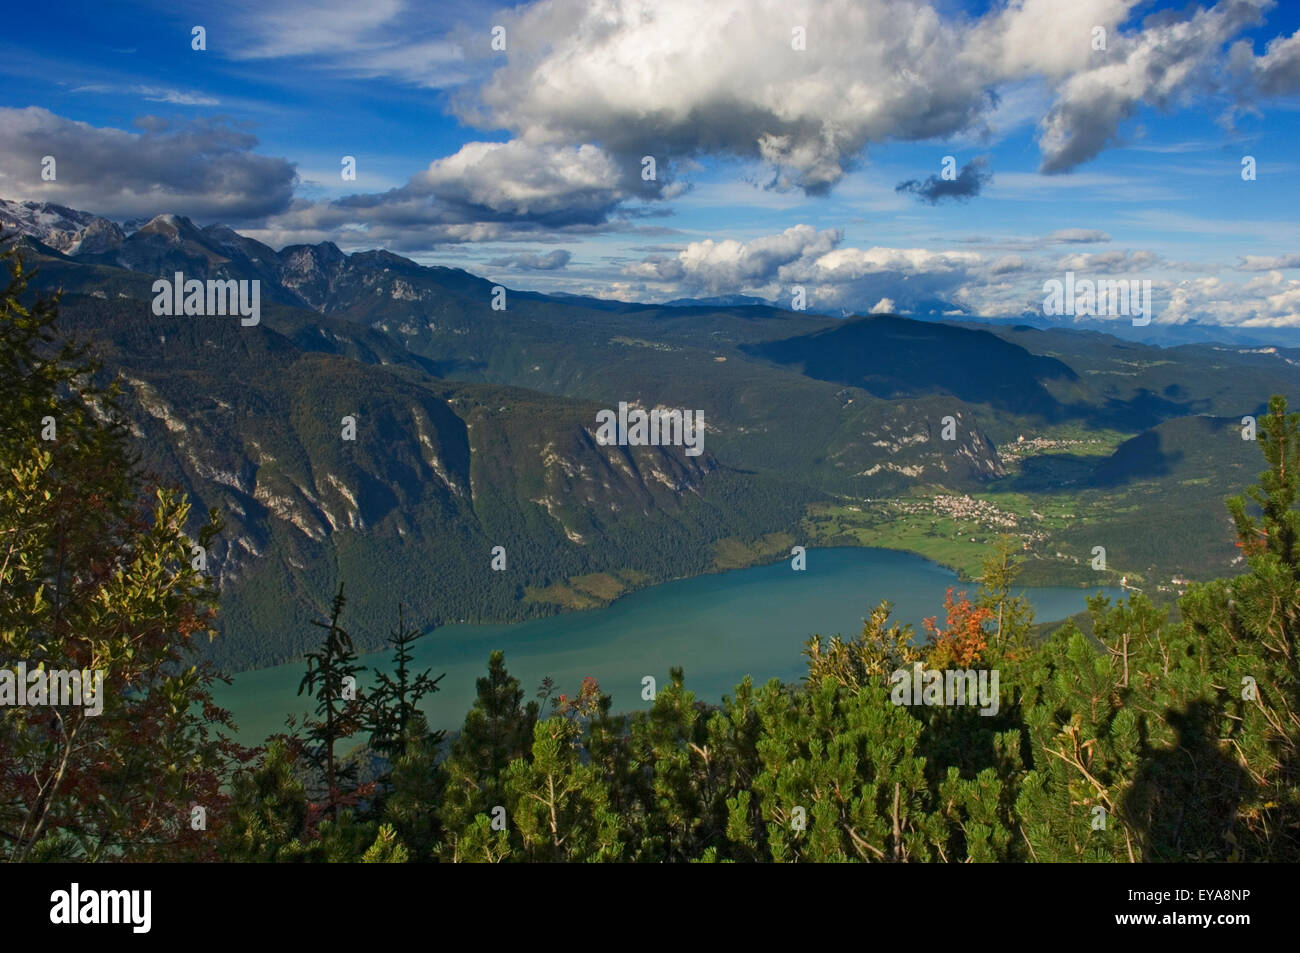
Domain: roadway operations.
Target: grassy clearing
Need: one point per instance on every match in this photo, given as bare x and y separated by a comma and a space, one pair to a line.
591, 591
734, 553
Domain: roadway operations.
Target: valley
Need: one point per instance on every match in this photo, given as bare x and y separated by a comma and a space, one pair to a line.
477, 428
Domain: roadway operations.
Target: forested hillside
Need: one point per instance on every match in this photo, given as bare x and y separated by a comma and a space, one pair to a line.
475, 428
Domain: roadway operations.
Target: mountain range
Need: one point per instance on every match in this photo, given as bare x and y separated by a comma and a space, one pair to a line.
475, 427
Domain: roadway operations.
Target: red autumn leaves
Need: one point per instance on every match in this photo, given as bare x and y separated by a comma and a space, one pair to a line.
960, 644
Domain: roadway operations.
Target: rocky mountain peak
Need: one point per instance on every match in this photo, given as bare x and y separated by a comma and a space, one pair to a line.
61, 228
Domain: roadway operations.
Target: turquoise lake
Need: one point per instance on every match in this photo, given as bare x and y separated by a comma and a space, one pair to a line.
718, 628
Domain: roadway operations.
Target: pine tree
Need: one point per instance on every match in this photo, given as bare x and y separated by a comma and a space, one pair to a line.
268, 810
1278, 526
387, 848
270, 819
394, 701
559, 805
878, 651
417, 782
678, 801
498, 730
1085, 749
1253, 622
1010, 616
331, 680
841, 779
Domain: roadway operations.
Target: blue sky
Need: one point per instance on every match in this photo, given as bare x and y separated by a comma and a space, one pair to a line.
776, 166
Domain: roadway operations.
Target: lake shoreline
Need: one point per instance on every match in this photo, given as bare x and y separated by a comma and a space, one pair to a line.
718, 626
560, 611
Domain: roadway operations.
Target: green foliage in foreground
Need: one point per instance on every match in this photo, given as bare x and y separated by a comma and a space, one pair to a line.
97, 578
1146, 741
